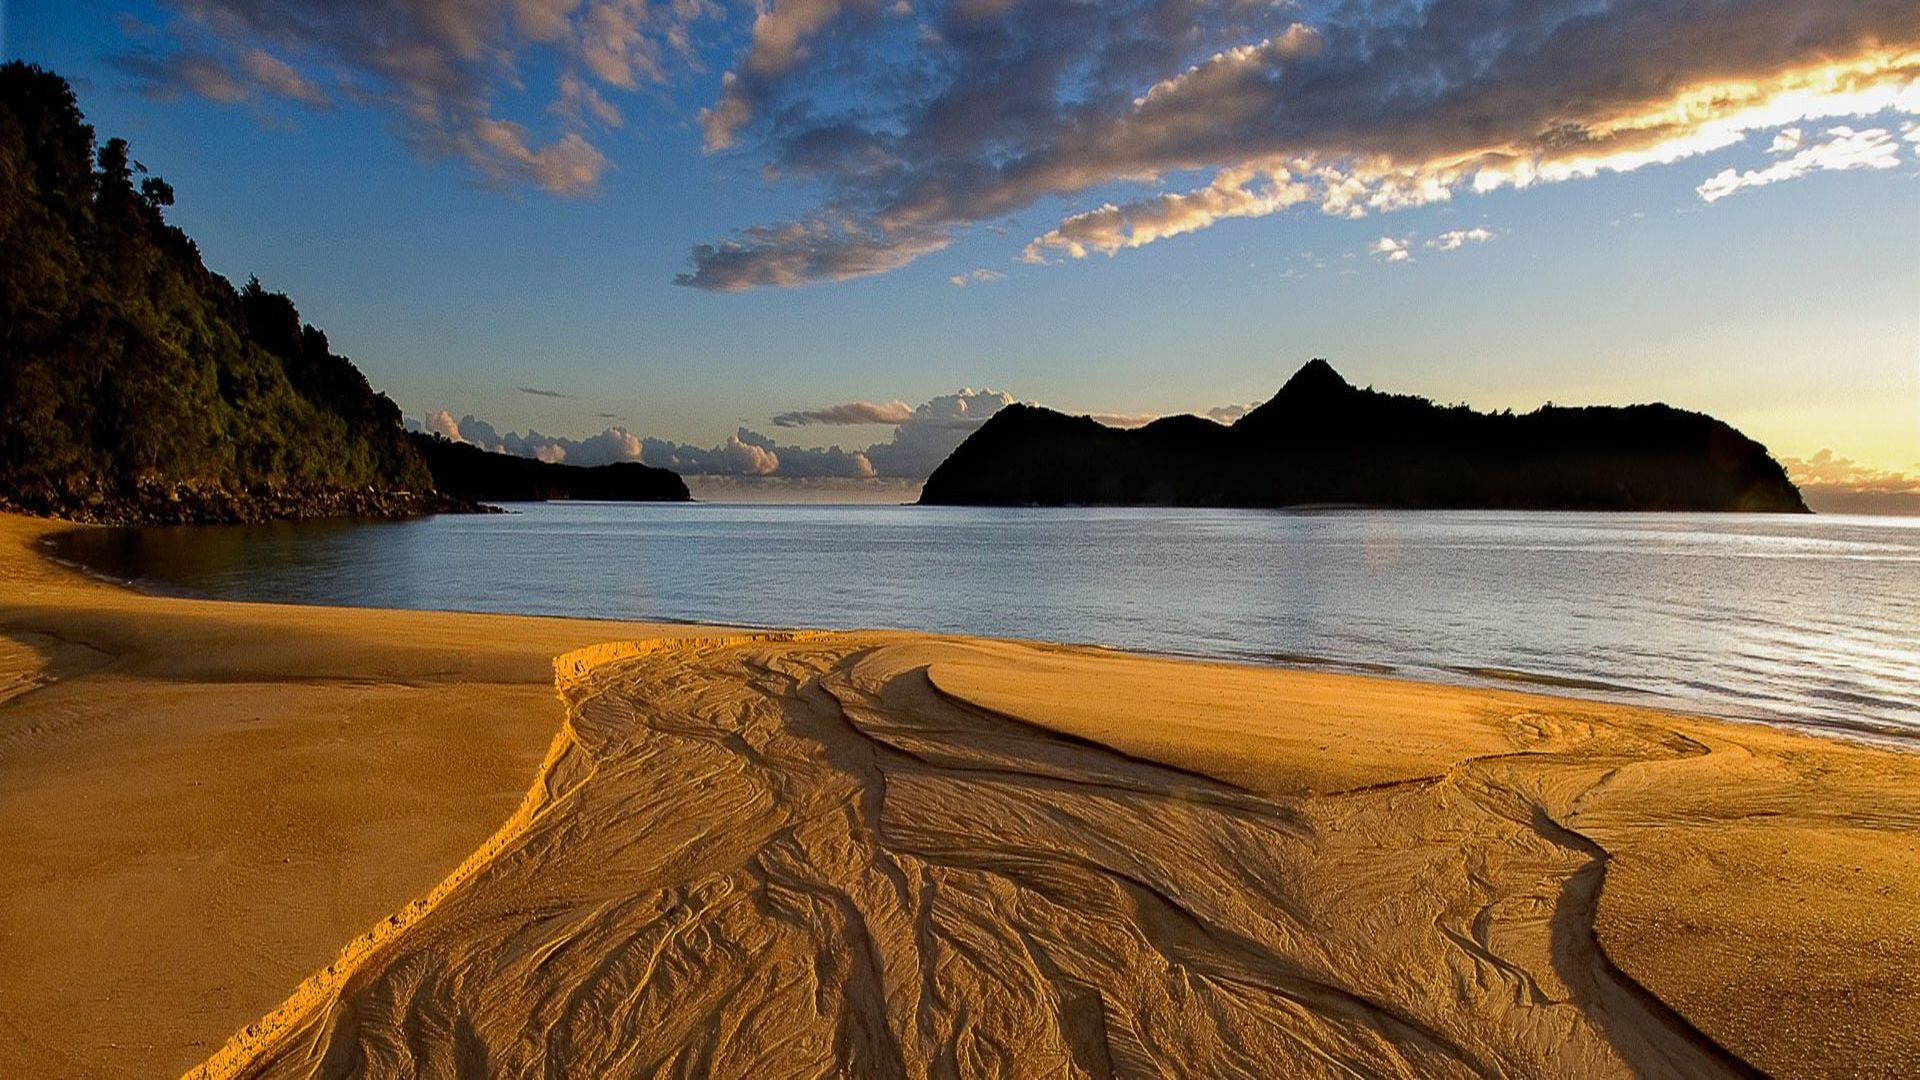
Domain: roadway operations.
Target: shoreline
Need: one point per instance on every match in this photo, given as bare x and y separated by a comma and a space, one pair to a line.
102, 656
1456, 675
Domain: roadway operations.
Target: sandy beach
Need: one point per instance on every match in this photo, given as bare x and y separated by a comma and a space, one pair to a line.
266, 840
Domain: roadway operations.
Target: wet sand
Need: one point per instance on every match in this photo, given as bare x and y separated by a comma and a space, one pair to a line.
296, 841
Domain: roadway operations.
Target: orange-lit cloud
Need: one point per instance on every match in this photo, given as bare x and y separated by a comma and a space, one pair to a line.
1368, 108
1697, 120
1233, 193
1838, 485
1825, 470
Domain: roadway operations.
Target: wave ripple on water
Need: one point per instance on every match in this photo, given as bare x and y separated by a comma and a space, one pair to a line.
1804, 620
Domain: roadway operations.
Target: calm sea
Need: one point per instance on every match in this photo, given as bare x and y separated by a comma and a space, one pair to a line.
1805, 620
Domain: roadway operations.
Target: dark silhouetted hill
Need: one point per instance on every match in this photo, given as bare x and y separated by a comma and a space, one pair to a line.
1323, 441
469, 472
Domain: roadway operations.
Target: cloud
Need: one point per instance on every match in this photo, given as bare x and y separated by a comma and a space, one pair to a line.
1124, 420
935, 429
923, 437
790, 489
743, 458
538, 392
440, 422
1824, 469
441, 69
1391, 250
1455, 239
749, 453
185, 73
239, 75
1845, 148
1838, 485
781, 31
981, 274
1110, 229
613, 444
852, 412
914, 129
802, 253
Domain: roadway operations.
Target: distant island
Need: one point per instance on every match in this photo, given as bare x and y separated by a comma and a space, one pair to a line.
138, 386
1322, 441
468, 472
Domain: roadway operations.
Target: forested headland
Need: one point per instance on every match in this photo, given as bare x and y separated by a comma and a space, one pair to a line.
137, 385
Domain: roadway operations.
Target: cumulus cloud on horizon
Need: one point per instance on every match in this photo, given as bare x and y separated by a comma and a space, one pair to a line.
922, 438
1227, 414
1828, 470
1834, 484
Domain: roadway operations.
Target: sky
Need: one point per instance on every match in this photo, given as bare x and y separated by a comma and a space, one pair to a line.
594, 229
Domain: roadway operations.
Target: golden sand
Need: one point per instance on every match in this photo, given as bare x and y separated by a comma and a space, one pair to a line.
204, 802
293, 841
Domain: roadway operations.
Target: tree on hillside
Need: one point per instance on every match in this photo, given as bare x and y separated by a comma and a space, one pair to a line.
124, 360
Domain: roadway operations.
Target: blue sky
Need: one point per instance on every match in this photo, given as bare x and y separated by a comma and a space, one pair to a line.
454, 276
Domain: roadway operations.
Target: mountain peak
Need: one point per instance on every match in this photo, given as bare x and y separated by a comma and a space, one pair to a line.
1315, 377
1314, 384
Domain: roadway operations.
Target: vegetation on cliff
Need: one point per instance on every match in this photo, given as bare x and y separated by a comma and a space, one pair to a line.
131, 375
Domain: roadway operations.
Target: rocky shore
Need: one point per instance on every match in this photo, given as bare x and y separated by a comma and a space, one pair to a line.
171, 503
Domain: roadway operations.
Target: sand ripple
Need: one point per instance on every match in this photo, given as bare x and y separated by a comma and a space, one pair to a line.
802, 857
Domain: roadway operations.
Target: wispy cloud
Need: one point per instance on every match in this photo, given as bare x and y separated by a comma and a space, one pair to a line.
976, 276
1455, 239
251, 76
1844, 148
851, 412
804, 253
538, 392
